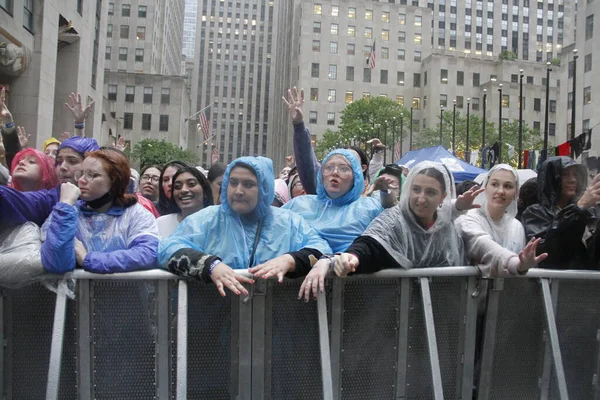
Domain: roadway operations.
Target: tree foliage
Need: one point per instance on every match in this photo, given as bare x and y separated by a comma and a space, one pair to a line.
160, 152
508, 55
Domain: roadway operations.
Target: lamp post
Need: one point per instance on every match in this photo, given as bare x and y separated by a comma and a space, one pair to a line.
499, 158
467, 151
520, 119
385, 142
441, 124
410, 140
546, 125
401, 133
574, 98
454, 128
483, 123
393, 137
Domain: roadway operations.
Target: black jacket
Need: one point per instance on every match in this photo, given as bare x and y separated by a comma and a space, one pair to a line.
562, 230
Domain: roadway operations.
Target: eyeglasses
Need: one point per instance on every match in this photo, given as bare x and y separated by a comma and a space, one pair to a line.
151, 178
89, 175
341, 168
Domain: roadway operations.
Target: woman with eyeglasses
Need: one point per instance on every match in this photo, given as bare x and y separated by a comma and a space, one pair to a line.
107, 230
149, 178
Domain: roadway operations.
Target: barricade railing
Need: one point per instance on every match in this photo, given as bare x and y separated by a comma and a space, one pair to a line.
417, 334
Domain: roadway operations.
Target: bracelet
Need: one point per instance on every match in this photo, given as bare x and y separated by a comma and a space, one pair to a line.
213, 265
331, 259
79, 126
9, 125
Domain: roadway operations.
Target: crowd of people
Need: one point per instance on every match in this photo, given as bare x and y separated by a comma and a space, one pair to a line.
74, 204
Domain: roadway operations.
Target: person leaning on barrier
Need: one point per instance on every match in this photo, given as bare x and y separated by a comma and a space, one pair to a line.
566, 217
244, 231
107, 231
417, 233
494, 239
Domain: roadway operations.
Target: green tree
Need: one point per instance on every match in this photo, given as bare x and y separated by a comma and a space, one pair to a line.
159, 152
330, 140
510, 135
508, 55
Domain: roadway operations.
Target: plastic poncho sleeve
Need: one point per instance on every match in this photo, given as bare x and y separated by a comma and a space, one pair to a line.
306, 160
58, 249
141, 252
313, 245
20, 259
185, 236
493, 260
562, 233
375, 165
19, 207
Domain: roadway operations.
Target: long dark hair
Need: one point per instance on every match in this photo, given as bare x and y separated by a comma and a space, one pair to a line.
207, 192
437, 175
164, 205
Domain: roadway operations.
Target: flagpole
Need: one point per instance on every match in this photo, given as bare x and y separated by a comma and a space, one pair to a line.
196, 113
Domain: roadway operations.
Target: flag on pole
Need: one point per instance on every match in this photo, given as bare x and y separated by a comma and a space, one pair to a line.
397, 154
215, 155
371, 60
204, 126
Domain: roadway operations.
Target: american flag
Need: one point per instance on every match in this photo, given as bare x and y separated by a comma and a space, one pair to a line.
371, 60
397, 154
204, 126
214, 158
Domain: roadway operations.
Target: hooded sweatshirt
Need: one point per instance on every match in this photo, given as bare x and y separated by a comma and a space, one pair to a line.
220, 231
566, 233
341, 220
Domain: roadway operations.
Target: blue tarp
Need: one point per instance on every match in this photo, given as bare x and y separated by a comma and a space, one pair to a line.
461, 170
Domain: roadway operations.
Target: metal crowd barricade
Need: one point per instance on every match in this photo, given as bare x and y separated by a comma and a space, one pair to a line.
419, 334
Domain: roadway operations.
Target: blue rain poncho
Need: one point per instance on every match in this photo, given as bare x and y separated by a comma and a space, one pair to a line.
220, 231
341, 220
120, 240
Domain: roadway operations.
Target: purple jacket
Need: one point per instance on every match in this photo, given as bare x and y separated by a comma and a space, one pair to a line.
306, 160
19, 207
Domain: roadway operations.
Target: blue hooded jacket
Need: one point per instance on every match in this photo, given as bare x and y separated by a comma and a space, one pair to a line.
220, 231
341, 220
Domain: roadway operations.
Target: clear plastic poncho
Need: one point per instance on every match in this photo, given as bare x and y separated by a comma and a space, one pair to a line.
20, 258
412, 246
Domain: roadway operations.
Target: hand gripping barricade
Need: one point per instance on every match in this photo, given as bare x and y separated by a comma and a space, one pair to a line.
417, 334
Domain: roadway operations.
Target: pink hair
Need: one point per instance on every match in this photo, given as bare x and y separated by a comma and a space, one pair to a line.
46, 163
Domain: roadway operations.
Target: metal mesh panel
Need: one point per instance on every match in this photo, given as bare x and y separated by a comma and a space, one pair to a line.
295, 345
369, 339
173, 309
577, 321
519, 349
124, 335
209, 343
31, 317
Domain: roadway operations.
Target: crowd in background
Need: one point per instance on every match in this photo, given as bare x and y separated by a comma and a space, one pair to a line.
74, 204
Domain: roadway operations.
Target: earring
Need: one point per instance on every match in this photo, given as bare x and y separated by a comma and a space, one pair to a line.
440, 206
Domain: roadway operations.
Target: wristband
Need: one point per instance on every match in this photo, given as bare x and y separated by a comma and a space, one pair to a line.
213, 265
79, 126
331, 259
9, 125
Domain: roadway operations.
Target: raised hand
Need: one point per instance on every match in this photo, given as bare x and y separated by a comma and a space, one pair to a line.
290, 161
528, 258
121, 144
278, 266
80, 113
64, 136
465, 201
384, 183
376, 143
591, 196
294, 104
223, 276
69, 193
23, 137
5, 115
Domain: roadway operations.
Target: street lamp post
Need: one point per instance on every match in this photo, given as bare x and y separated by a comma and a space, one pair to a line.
483, 123
441, 124
521, 118
401, 133
574, 98
385, 142
499, 158
410, 140
454, 128
546, 118
467, 151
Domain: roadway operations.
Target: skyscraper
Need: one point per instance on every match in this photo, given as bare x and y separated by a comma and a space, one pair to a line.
189, 28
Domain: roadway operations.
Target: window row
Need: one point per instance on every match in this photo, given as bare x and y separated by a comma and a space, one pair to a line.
163, 121
148, 93
140, 33
8, 6
368, 15
334, 29
124, 54
126, 10
351, 51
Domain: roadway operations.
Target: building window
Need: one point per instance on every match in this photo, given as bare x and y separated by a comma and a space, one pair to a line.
351, 13
351, 31
333, 47
505, 101
367, 75
111, 8
107, 53
475, 103
444, 76
332, 71
385, 16
335, 11
587, 95
316, 27
314, 70
402, 37
333, 29
530, 80
316, 45
124, 31
148, 95
350, 74
314, 94
350, 49
331, 96
418, 38
126, 10
312, 117
129, 94
476, 79
142, 11
400, 78
460, 78
369, 15
127, 120
146, 122
402, 19
349, 97
139, 55
418, 20
552, 129
165, 96
383, 77
417, 56
317, 9
400, 100
28, 15
385, 53
122, 53
589, 27
460, 101
330, 118
141, 33
112, 92
552, 106
514, 78
385, 35
369, 33
416, 103
109, 30
416, 80
163, 123
401, 54
537, 104
444, 100
587, 65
